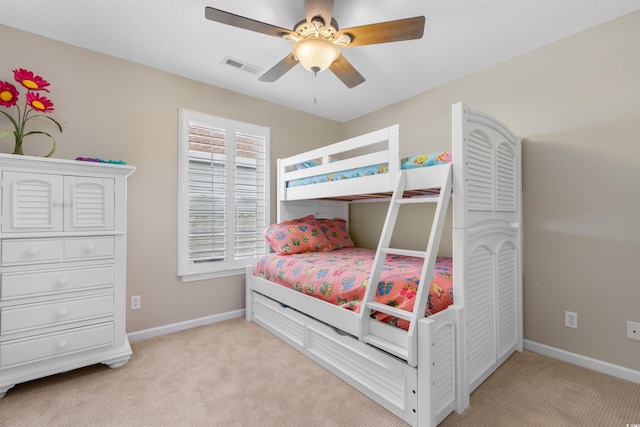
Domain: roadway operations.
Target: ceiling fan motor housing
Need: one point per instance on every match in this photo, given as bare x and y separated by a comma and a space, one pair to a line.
315, 47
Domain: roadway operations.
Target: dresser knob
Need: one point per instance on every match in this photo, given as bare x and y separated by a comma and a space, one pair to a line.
61, 345
63, 281
33, 251
90, 248
62, 312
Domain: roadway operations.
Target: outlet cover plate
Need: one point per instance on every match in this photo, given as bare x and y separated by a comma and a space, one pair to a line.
633, 330
136, 302
571, 319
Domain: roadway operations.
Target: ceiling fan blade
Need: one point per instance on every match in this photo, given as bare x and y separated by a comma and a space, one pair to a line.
228, 18
384, 32
279, 69
345, 72
321, 8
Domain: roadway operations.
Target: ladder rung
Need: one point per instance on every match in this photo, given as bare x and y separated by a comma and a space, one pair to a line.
429, 199
405, 252
387, 309
387, 346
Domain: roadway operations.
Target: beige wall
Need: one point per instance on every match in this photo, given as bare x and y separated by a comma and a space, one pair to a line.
115, 109
576, 104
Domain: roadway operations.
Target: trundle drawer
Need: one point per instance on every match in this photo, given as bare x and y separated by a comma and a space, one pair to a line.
384, 378
21, 318
47, 282
57, 344
31, 251
317, 338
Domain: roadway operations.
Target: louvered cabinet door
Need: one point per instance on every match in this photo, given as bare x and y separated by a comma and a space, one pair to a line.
89, 203
39, 202
31, 202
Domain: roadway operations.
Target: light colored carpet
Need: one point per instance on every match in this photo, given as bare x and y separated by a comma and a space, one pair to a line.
235, 373
534, 390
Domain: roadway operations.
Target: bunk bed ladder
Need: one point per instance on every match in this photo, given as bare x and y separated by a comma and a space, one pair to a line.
404, 348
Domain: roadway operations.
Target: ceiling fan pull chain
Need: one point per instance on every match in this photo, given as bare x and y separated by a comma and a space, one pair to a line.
315, 85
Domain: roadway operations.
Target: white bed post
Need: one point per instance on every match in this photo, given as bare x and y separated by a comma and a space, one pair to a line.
248, 295
520, 257
459, 277
426, 398
280, 190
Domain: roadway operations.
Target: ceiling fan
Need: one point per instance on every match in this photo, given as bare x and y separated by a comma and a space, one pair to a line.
318, 39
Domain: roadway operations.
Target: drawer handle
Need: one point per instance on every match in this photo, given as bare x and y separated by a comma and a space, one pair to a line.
33, 251
62, 312
61, 345
63, 281
90, 248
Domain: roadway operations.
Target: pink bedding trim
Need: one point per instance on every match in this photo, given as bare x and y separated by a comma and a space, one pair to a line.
341, 276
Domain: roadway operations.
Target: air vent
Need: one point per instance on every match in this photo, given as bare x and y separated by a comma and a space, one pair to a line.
241, 65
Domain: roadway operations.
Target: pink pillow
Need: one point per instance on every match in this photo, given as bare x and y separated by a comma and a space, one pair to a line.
297, 236
299, 220
336, 231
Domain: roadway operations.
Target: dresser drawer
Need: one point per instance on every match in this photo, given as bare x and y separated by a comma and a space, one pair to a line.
31, 251
22, 318
47, 346
40, 251
48, 282
82, 248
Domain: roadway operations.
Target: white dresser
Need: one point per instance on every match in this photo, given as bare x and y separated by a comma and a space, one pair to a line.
62, 266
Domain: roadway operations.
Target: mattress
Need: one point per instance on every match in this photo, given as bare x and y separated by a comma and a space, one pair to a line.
340, 277
412, 162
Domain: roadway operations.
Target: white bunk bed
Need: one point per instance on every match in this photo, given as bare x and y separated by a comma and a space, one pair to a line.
424, 373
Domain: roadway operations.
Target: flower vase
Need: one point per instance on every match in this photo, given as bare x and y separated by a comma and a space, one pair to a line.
17, 149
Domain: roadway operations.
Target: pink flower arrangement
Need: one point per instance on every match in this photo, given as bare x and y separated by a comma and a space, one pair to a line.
34, 101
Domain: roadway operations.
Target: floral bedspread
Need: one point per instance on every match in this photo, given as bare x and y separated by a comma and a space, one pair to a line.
341, 276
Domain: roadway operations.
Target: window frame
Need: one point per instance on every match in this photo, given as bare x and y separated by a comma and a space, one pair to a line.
231, 266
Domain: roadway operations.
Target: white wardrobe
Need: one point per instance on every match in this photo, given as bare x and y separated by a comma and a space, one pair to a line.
62, 266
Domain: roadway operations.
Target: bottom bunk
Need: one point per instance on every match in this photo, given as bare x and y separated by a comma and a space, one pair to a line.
421, 396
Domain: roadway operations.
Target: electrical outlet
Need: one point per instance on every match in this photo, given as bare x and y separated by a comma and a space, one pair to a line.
136, 302
633, 330
571, 320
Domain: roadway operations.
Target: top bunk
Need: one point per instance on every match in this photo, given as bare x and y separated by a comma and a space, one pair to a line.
362, 168
485, 157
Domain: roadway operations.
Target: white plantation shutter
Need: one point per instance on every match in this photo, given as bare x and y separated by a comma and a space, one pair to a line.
224, 195
250, 190
207, 194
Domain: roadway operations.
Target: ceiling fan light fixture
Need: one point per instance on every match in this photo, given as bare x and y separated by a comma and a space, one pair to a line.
315, 54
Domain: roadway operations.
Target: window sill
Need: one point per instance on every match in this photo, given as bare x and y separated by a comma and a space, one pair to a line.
213, 275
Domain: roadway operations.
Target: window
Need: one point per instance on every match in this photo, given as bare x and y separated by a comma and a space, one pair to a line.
222, 195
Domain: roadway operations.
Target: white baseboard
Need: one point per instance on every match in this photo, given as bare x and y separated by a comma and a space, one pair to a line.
585, 362
181, 326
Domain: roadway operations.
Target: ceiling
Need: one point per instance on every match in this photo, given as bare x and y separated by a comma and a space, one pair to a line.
460, 38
